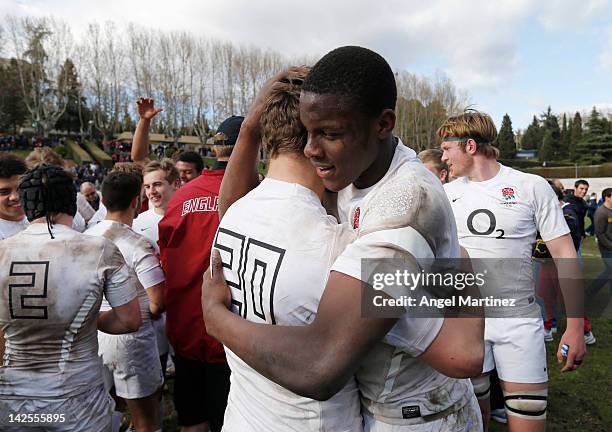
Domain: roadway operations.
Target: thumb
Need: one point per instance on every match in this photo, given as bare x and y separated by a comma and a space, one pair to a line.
216, 264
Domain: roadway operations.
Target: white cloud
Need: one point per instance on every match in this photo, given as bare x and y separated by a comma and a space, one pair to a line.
570, 15
473, 40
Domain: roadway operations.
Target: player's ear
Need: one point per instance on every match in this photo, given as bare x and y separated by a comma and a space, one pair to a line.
385, 123
471, 146
135, 203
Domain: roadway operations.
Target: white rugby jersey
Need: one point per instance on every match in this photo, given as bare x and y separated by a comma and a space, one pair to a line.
10, 228
499, 218
277, 244
404, 214
139, 256
146, 224
50, 295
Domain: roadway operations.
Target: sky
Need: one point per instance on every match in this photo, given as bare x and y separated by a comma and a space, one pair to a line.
511, 56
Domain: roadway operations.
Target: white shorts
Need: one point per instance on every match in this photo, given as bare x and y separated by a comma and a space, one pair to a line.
515, 347
133, 361
88, 412
163, 346
466, 419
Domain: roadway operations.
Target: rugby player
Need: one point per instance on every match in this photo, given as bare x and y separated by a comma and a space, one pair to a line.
498, 211
189, 165
132, 359
432, 159
396, 208
287, 225
51, 293
12, 217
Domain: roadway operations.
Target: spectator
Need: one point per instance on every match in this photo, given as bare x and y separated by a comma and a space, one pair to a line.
603, 233
592, 207
581, 187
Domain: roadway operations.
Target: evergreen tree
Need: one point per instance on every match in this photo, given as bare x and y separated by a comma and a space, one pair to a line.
551, 123
546, 149
77, 114
532, 138
576, 135
564, 142
505, 139
13, 111
596, 143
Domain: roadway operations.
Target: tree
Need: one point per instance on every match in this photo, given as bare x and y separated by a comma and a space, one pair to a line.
576, 135
505, 139
550, 122
564, 142
42, 44
532, 138
596, 143
13, 112
546, 149
77, 114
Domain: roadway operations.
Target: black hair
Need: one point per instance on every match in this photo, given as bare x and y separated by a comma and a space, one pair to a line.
45, 191
11, 165
360, 77
606, 193
194, 158
119, 189
581, 182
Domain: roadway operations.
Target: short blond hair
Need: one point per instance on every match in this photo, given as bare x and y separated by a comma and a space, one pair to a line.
166, 165
475, 125
43, 155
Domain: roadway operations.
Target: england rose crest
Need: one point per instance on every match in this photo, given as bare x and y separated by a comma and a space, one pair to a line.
508, 193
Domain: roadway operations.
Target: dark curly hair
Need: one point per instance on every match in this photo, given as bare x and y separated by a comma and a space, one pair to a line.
11, 165
361, 78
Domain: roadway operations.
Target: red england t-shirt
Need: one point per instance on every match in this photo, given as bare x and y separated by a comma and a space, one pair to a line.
186, 235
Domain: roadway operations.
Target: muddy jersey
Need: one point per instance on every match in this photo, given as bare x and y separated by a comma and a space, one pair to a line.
404, 215
277, 244
50, 295
497, 220
146, 224
139, 256
10, 228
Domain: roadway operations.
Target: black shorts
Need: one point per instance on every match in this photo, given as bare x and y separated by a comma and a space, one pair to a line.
200, 392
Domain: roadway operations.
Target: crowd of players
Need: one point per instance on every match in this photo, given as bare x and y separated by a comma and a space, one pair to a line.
99, 288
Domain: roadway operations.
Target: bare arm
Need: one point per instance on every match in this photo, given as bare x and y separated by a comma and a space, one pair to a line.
156, 300
121, 319
241, 174
570, 282
315, 360
140, 144
328, 351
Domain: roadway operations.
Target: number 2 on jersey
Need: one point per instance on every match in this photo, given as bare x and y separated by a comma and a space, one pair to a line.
254, 267
28, 282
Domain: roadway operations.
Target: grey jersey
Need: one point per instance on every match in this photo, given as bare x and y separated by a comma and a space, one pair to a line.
51, 293
140, 258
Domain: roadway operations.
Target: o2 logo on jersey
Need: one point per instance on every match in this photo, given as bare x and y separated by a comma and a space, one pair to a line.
491, 226
253, 269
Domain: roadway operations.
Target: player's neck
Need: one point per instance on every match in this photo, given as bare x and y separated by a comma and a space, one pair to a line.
294, 168
59, 219
483, 169
125, 217
159, 210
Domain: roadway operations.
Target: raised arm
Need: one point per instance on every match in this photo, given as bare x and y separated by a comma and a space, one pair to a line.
145, 107
241, 174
